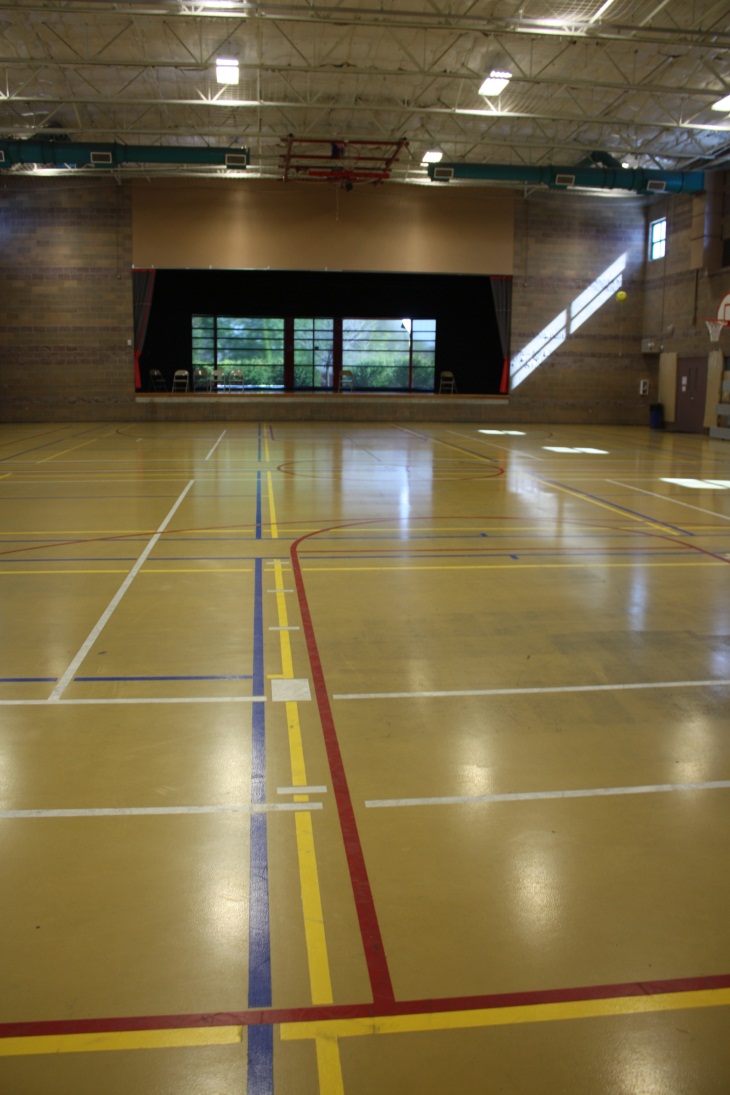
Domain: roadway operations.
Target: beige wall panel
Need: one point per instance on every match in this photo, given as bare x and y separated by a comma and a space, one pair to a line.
667, 394
715, 368
290, 226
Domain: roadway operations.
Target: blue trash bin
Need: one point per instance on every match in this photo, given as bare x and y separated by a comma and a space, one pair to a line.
656, 416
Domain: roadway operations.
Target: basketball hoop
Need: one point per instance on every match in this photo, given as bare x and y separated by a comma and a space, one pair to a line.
715, 326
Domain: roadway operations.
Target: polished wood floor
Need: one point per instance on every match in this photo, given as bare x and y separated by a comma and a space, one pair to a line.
360, 759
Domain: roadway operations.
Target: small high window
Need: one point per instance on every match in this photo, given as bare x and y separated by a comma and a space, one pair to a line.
658, 238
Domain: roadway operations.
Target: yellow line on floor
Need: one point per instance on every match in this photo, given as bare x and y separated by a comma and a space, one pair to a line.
489, 1017
145, 570
605, 505
273, 527
196, 570
516, 566
36, 573
72, 449
116, 1040
327, 1032
329, 1067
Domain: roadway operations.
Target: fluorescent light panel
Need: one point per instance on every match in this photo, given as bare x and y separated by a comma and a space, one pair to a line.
495, 82
434, 155
226, 71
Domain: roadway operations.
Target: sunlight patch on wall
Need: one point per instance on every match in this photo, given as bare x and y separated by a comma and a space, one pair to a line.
567, 322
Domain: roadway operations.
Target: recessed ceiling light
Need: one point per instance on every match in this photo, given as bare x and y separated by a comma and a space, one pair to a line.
495, 82
226, 71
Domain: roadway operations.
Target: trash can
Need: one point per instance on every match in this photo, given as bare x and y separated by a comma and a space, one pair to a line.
656, 416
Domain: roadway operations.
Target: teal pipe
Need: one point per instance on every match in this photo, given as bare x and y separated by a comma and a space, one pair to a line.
69, 154
597, 178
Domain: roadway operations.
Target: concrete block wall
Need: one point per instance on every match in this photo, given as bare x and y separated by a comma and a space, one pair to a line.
66, 311
677, 297
564, 242
65, 300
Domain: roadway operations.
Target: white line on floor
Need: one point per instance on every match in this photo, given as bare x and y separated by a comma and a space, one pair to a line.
152, 811
137, 699
93, 635
216, 445
527, 796
668, 498
301, 790
719, 683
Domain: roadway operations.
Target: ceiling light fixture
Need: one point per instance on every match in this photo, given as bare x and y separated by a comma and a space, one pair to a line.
495, 82
722, 104
226, 71
433, 155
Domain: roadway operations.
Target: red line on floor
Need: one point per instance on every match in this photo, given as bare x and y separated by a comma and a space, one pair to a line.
377, 963
382, 1008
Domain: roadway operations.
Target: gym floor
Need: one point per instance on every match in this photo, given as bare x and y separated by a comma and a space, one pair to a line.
364, 758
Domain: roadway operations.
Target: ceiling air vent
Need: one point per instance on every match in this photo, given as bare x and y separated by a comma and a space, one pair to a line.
443, 174
657, 185
236, 159
101, 159
565, 180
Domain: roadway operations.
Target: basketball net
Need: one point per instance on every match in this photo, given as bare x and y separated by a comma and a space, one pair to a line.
715, 326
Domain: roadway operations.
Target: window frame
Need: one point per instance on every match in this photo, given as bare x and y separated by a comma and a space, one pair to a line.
657, 239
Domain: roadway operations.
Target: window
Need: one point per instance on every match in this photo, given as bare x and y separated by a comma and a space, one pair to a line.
396, 354
237, 353
241, 351
658, 238
313, 353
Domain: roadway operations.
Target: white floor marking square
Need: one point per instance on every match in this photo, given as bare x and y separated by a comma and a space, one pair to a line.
290, 690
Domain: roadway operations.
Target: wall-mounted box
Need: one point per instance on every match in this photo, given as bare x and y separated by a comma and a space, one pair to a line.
651, 346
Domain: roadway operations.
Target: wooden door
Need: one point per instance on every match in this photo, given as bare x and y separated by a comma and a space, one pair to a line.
691, 392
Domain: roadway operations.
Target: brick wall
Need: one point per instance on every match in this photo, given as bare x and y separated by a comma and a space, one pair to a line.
66, 300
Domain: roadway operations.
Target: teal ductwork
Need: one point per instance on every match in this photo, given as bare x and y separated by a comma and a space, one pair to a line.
638, 180
68, 154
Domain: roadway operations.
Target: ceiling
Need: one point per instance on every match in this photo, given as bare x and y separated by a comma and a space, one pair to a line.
634, 80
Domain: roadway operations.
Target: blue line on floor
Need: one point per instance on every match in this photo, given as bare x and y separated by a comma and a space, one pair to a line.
613, 505
183, 677
258, 505
260, 1039
47, 444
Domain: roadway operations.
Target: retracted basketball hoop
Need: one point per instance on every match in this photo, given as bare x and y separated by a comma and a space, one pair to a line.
715, 326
